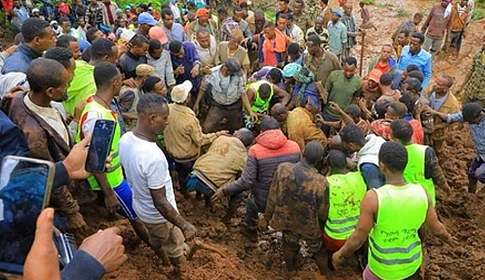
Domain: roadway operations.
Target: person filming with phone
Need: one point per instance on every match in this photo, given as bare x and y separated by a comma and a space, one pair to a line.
110, 184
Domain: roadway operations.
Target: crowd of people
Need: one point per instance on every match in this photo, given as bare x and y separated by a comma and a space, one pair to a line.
228, 104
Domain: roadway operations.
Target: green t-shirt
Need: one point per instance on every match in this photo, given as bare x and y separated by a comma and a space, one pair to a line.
81, 87
341, 91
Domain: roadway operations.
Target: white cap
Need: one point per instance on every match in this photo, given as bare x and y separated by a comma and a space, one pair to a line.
181, 92
35, 10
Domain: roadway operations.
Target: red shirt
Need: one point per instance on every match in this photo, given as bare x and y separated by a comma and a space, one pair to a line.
382, 128
383, 69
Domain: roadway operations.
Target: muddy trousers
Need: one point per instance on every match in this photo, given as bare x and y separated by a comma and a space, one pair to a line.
253, 208
183, 171
291, 247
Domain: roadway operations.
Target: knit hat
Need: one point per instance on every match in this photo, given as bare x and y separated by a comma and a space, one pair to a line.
181, 92
144, 70
290, 69
157, 32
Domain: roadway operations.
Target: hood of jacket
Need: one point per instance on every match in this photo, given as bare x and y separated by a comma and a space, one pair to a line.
272, 139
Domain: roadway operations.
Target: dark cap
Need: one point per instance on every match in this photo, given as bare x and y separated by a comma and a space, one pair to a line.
314, 40
233, 67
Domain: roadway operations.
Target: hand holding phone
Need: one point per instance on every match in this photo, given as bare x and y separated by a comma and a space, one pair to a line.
25, 188
100, 145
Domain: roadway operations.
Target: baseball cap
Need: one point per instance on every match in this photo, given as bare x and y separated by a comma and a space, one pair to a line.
338, 12
146, 18
157, 32
53, 22
202, 12
233, 67
180, 92
375, 75
144, 70
128, 7
35, 10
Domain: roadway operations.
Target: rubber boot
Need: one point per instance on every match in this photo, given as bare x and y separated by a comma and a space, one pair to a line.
231, 211
290, 255
179, 267
321, 259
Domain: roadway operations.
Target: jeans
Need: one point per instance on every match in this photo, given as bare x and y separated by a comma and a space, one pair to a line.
183, 171
252, 211
477, 170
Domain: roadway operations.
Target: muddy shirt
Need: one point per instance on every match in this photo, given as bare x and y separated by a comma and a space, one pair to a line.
297, 200
475, 88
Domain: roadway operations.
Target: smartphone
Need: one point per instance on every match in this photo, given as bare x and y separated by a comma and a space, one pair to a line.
100, 145
25, 189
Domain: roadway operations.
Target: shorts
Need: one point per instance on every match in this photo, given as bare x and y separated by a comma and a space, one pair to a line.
167, 236
477, 170
125, 198
333, 245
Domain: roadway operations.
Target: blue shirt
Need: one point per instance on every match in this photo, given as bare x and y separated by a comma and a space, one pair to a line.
337, 37
436, 103
190, 59
176, 33
20, 60
22, 13
422, 59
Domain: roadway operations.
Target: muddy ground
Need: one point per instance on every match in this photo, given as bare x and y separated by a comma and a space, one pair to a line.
463, 214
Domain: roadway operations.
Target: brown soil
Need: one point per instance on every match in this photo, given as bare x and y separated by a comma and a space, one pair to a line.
462, 214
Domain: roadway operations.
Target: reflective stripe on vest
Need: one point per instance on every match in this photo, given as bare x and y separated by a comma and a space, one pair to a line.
259, 105
414, 172
394, 244
114, 174
346, 192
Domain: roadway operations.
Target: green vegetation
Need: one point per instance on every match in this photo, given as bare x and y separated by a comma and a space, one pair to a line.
402, 13
478, 14
382, 5
369, 2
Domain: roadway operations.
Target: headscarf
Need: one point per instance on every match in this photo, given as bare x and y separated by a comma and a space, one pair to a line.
304, 80
290, 69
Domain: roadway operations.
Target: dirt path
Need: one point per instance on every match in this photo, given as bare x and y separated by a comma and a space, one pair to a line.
462, 214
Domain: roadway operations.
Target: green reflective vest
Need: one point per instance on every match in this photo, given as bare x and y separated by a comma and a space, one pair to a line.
115, 173
394, 244
260, 105
346, 192
414, 172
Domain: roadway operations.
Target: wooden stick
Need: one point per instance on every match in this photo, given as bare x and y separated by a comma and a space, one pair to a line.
197, 245
362, 55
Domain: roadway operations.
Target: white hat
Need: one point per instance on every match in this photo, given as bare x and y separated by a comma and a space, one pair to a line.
35, 10
53, 22
181, 92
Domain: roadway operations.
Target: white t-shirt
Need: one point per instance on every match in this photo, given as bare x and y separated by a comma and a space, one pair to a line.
146, 169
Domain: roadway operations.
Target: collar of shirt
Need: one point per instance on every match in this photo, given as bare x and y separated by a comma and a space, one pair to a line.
49, 112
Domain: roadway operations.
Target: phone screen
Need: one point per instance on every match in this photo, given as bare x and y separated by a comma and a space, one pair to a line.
100, 145
25, 187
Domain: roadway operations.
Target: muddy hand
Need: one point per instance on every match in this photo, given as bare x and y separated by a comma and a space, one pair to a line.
189, 231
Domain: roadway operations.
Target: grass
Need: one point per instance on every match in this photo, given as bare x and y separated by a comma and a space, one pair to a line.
478, 14
402, 13
369, 2
382, 5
